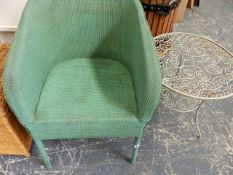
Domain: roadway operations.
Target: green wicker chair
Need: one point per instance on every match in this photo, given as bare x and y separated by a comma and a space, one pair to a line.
83, 69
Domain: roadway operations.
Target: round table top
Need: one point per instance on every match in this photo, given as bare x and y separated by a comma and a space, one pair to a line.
195, 66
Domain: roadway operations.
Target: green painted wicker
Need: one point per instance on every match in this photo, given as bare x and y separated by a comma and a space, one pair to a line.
83, 69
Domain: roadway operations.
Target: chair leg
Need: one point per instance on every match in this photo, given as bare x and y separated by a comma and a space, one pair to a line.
136, 146
43, 153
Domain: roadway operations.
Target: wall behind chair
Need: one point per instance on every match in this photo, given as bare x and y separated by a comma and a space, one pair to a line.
10, 14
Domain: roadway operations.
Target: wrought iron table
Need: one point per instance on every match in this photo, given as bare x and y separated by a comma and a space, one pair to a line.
195, 69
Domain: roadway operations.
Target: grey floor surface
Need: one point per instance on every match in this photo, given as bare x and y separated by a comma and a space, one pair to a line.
169, 145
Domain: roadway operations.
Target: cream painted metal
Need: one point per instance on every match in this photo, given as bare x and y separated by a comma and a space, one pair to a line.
195, 69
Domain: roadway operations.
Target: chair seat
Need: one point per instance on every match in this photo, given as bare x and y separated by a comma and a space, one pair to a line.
87, 89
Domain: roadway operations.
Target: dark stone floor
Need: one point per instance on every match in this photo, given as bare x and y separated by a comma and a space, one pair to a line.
169, 145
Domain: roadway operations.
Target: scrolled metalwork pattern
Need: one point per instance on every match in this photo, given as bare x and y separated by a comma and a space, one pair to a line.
195, 66
177, 102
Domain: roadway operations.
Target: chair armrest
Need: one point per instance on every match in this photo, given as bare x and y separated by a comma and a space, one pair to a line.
22, 81
139, 50
14, 89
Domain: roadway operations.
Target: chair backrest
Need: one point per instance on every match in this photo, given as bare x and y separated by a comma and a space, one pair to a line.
52, 31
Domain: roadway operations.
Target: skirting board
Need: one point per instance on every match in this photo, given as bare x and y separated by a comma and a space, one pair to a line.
7, 28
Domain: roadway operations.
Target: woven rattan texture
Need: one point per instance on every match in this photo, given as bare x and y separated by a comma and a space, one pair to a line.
14, 140
49, 34
54, 32
3, 105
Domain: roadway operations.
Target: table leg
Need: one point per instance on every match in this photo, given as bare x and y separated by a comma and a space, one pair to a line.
196, 118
